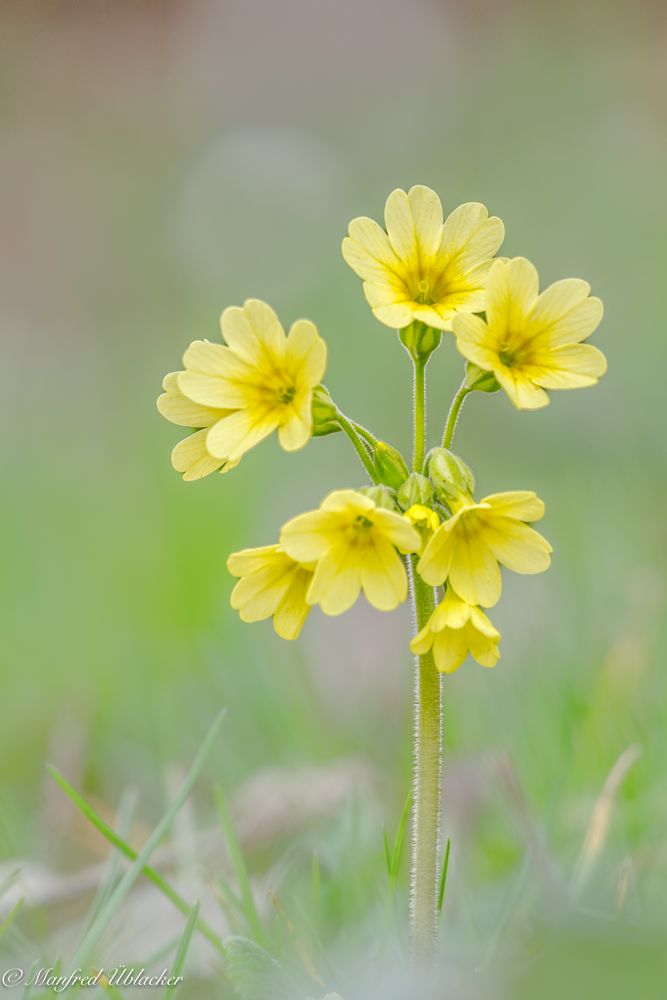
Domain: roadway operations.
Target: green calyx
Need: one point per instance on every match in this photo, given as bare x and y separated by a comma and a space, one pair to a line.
450, 475
390, 466
420, 340
478, 380
324, 413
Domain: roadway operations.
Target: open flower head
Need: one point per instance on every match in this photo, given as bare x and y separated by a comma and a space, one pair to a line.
455, 629
191, 455
266, 379
530, 341
353, 544
425, 520
271, 586
467, 548
423, 268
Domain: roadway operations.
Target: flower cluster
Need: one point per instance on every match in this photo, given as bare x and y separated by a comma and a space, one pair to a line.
424, 275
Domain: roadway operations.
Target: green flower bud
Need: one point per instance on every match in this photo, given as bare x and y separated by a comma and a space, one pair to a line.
416, 489
389, 465
420, 340
323, 412
451, 477
381, 496
479, 380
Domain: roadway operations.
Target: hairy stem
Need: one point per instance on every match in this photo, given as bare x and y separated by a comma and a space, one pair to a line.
453, 415
427, 776
348, 427
419, 414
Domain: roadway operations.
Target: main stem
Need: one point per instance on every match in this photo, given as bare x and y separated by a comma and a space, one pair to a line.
427, 763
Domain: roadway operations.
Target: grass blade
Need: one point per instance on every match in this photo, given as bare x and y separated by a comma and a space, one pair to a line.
182, 950
240, 869
443, 876
139, 859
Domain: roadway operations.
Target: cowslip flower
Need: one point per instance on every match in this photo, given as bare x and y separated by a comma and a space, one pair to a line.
422, 268
530, 341
191, 456
272, 585
265, 378
455, 629
467, 548
353, 544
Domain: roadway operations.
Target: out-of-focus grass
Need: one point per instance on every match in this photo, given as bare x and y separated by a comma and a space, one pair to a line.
118, 642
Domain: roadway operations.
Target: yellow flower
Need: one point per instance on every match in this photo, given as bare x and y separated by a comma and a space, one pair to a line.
265, 378
455, 629
421, 268
353, 543
533, 342
191, 456
466, 549
271, 585
425, 520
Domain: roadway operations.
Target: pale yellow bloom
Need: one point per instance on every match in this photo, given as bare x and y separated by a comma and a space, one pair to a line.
425, 520
422, 268
455, 629
271, 586
533, 342
191, 456
466, 549
264, 377
354, 546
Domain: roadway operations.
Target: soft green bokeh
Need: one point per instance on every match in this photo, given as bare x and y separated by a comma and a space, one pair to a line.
161, 163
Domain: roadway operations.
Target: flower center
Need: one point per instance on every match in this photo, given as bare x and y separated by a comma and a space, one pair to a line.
286, 394
423, 289
506, 354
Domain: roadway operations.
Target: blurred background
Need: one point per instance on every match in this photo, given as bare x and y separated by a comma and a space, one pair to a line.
162, 160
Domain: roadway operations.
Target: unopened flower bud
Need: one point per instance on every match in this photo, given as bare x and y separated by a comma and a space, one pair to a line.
324, 412
389, 465
425, 520
416, 489
381, 496
420, 340
450, 475
479, 380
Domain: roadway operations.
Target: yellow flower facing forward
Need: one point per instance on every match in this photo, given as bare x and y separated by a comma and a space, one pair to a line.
354, 546
422, 268
455, 629
191, 456
264, 377
425, 520
271, 586
466, 549
533, 342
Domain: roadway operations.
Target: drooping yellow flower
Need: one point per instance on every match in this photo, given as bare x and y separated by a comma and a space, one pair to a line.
354, 545
455, 629
264, 377
191, 456
466, 549
271, 586
422, 268
425, 520
533, 342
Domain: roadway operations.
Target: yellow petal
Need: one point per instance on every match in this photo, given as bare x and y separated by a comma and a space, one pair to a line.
426, 212
240, 336
570, 366
515, 545
336, 583
397, 530
212, 391
523, 505
435, 563
396, 316
474, 340
460, 225
474, 573
479, 622
483, 649
248, 561
480, 245
344, 500
295, 432
574, 326
236, 434
308, 537
192, 458
177, 408
266, 327
400, 226
306, 353
520, 389
422, 642
383, 576
449, 650
293, 610
511, 292
206, 358
557, 301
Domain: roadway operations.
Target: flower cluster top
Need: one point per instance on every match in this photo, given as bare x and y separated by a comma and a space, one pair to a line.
425, 276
